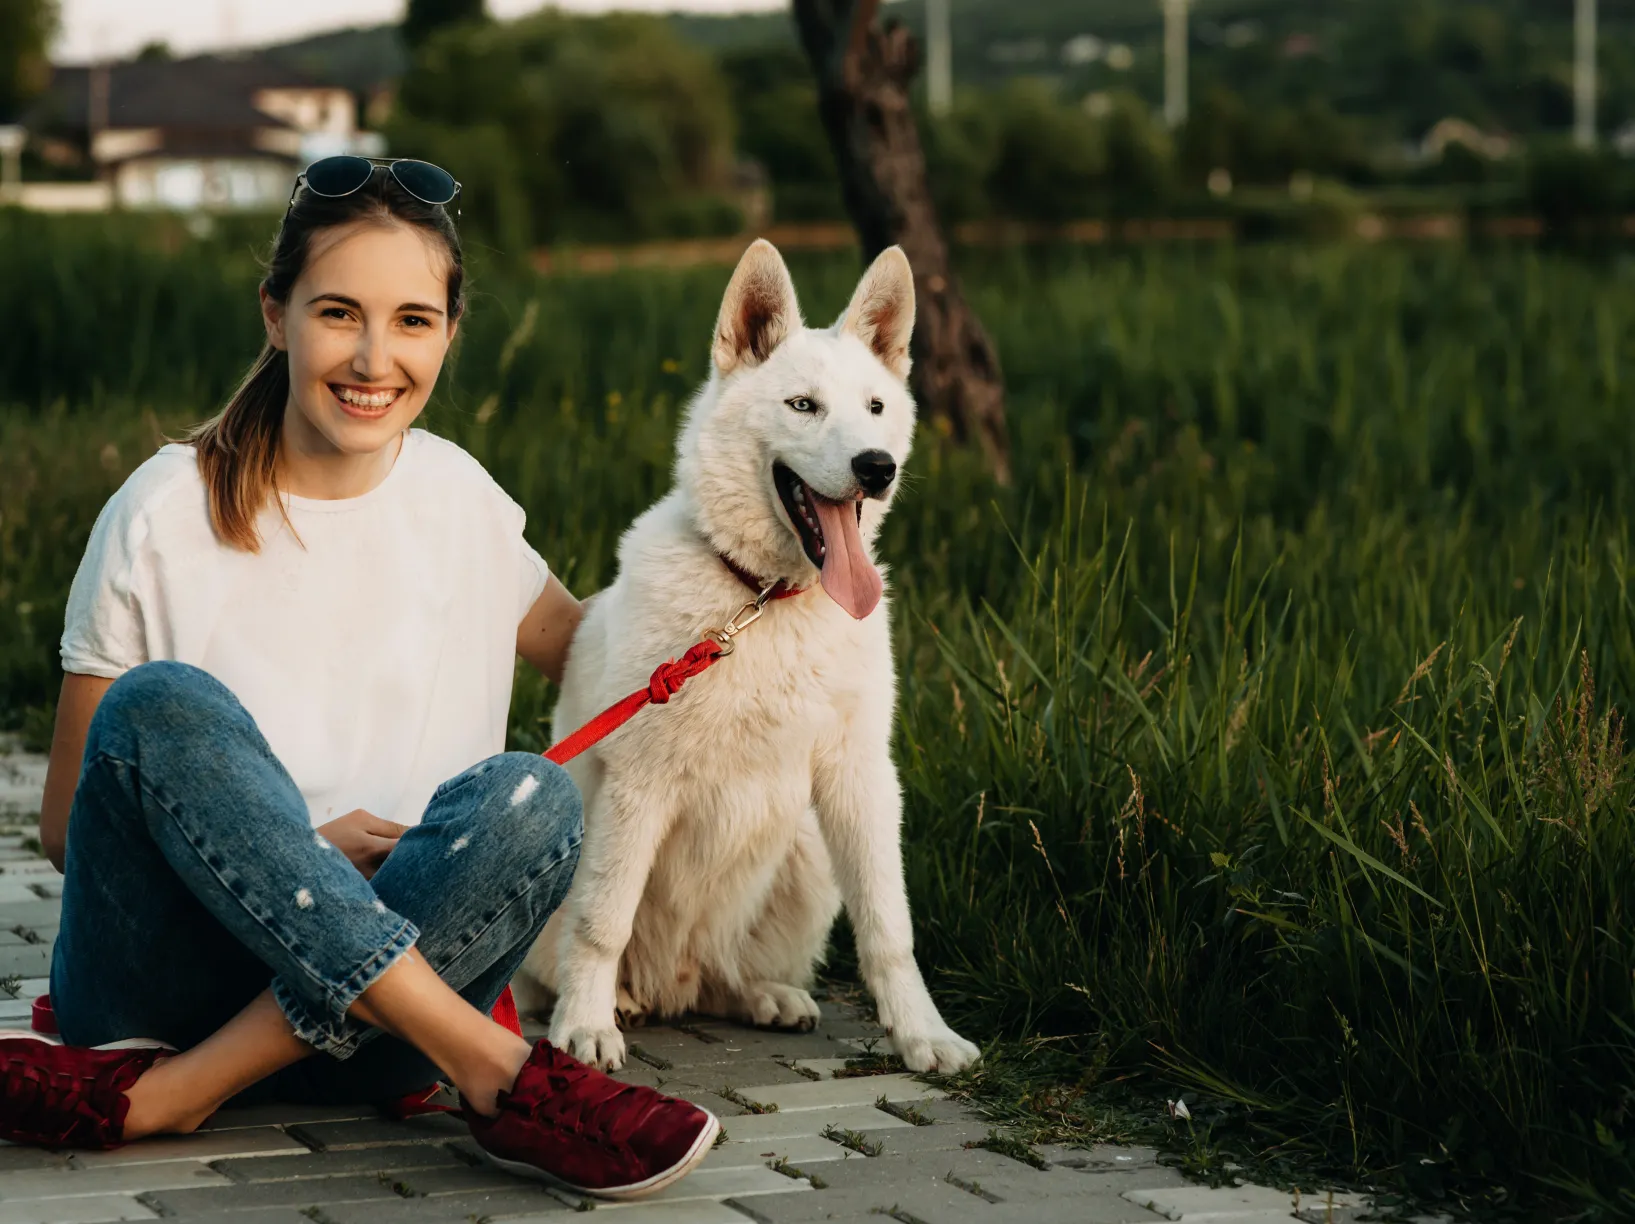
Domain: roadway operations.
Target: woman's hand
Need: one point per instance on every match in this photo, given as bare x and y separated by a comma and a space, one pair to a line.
364, 838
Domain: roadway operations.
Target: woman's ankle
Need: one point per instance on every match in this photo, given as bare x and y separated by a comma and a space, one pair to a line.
159, 1104
491, 1071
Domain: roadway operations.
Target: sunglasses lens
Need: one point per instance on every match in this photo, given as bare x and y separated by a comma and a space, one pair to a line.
338, 176
425, 182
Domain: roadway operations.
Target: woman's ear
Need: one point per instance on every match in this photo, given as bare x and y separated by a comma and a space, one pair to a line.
272, 314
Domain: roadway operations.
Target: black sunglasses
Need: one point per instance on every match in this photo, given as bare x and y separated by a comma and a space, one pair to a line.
334, 177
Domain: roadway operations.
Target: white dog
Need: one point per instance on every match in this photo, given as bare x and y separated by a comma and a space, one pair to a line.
724, 829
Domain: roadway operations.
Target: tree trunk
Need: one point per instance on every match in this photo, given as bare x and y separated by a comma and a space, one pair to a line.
863, 73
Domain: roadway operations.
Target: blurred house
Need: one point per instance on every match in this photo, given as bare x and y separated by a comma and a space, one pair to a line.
1452, 131
205, 133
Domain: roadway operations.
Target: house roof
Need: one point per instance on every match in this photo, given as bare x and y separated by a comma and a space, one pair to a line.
201, 93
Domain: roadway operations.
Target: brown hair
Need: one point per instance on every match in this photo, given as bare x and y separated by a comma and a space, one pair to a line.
238, 447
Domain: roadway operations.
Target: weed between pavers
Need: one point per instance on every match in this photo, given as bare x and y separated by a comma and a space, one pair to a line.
738, 1098
897, 1213
692, 1030
871, 1064
855, 1140
782, 1165
1007, 1145
906, 1111
793, 1064
400, 1188
655, 1061
970, 1187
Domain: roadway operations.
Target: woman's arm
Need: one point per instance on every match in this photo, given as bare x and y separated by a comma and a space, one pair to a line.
546, 631
75, 705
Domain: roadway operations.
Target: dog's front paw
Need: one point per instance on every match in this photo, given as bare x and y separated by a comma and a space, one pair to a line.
597, 1047
937, 1050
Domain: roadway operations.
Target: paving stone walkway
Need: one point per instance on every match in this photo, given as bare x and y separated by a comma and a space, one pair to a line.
805, 1140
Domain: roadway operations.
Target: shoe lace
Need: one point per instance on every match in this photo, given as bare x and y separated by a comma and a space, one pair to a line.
589, 1104
51, 1102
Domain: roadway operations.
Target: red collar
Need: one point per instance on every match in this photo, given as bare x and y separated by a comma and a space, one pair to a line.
780, 589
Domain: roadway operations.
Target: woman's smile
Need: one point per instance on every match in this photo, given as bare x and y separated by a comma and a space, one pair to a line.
368, 403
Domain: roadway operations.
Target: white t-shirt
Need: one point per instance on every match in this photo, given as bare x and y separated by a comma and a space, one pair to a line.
375, 654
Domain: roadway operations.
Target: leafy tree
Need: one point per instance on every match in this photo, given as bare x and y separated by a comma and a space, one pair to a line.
26, 27
423, 18
775, 102
572, 126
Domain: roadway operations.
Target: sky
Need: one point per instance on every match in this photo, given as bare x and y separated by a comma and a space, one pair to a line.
96, 28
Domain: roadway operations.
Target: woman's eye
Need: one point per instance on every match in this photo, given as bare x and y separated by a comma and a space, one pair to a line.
334, 312
416, 321
802, 403
876, 407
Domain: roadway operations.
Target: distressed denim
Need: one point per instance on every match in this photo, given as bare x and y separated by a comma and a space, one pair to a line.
194, 879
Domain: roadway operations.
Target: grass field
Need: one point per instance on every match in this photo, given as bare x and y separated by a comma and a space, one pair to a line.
1262, 742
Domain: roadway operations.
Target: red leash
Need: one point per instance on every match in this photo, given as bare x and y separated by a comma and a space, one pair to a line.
670, 675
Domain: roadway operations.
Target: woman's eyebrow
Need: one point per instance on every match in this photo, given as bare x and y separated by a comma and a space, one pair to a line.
342, 299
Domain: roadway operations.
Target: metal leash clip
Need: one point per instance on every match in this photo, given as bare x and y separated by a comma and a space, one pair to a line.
755, 607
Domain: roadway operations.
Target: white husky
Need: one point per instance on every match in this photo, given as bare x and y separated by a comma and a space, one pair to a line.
723, 830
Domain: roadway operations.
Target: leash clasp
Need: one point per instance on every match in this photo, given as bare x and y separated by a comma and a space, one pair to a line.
741, 620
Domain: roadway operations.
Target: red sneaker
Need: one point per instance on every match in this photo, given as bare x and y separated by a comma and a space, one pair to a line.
58, 1096
567, 1123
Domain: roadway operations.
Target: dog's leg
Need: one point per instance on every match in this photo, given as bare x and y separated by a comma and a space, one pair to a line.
623, 830
770, 984
860, 806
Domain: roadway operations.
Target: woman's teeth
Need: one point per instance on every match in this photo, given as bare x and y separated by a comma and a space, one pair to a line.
366, 399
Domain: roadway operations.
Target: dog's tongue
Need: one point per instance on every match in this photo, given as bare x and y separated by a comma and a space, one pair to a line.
848, 575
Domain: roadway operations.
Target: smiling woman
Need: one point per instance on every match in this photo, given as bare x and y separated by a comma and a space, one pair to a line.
353, 354
360, 370
298, 865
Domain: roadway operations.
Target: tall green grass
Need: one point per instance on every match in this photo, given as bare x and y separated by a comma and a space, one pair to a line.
1263, 739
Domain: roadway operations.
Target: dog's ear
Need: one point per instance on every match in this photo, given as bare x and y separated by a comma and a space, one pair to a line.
759, 310
881, 312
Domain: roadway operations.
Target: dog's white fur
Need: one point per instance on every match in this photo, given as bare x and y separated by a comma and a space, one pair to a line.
724, 829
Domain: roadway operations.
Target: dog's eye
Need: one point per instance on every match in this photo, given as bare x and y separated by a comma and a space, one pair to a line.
876, 407
802, 403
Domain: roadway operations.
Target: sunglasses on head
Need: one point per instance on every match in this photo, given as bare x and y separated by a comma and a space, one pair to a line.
334, 177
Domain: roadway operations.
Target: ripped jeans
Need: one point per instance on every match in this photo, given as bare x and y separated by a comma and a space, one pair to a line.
194, 880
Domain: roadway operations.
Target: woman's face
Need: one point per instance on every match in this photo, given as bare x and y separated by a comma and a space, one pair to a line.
366, 328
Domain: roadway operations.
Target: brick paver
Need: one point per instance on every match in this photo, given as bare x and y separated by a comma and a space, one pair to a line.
789, 1155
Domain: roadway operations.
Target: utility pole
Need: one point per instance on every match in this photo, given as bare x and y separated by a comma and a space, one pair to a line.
939, 57
1584, 74
1175, 62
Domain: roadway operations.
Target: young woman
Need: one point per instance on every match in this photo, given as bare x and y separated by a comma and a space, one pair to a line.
298, 865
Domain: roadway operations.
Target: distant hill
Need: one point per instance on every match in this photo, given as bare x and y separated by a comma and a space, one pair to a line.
1399, 65
360, 59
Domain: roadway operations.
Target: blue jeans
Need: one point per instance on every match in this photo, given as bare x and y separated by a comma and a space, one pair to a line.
194, 879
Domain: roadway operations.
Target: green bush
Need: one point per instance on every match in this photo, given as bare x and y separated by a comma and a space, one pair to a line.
1574, 189
579, 127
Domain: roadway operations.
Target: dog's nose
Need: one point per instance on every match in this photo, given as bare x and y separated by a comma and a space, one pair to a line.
875, 469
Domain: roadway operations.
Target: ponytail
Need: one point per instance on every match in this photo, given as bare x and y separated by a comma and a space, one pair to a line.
238, 450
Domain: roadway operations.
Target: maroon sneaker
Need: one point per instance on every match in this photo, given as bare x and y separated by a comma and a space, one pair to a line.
58, 1096
567, 1123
